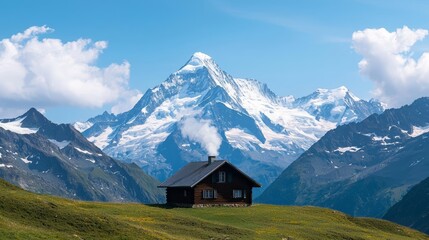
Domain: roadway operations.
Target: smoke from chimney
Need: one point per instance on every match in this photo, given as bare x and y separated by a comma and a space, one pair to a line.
203, 132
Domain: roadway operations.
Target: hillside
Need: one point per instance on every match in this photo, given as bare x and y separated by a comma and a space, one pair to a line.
360, 168
25, 215
413, 209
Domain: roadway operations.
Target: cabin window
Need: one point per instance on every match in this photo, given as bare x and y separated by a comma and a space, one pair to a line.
209, 193
237, 193
185, 193
222, 176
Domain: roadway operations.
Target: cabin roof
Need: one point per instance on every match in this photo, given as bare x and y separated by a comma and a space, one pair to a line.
194, 172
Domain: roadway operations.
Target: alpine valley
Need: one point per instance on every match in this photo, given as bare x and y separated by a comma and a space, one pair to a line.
44, 157
364, 168
200, 110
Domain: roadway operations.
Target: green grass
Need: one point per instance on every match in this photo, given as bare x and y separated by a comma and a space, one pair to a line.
25, 215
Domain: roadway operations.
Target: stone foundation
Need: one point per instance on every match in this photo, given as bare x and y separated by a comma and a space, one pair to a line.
184, 205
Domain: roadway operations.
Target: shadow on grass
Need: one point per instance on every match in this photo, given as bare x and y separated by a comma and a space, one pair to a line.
163, 206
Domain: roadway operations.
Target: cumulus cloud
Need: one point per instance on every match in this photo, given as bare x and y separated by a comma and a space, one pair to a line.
49, 72
203, 132
387, 60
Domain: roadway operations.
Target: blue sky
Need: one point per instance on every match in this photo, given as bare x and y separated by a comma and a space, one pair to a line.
293, 46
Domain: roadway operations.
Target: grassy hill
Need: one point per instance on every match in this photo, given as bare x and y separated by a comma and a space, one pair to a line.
25, 215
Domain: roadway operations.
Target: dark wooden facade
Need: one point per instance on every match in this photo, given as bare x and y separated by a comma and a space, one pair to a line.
222, 191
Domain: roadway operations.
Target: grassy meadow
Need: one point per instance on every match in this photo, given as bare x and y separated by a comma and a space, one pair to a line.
25, 215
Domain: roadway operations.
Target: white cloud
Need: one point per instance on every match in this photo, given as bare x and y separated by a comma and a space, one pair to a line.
30, 32
388, 61
49, 72
126, 101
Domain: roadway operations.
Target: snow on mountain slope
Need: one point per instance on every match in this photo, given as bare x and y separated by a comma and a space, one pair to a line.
274, 118
337, 105
260, 132
82, 126
16, 126
417, 131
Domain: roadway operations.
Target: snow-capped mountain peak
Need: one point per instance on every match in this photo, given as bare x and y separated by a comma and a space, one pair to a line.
260, 132
27, 123
202, 72
322, 95
198, 60
338, 105
339, 93
200, 57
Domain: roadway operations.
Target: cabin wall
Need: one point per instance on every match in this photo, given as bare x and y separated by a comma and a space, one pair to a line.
177, 195
224, 190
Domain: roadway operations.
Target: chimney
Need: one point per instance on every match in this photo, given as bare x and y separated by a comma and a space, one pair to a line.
211, 159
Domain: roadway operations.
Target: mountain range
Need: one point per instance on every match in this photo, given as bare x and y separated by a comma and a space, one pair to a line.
360, 168
48, 158
200, 109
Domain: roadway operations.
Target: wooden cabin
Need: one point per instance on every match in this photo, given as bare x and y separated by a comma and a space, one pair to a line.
209, 183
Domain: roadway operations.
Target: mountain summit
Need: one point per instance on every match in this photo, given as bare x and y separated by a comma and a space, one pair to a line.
197, 60
337, 105
201, 109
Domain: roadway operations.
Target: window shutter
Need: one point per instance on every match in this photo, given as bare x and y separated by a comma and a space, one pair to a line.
244, 193
229, 177
215, 193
